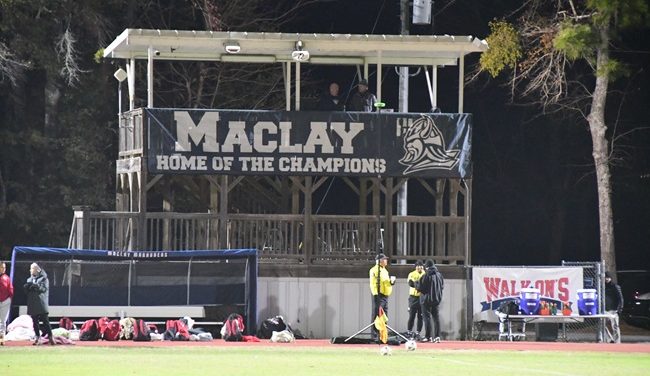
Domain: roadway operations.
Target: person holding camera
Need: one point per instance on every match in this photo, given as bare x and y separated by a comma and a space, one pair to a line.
381, 286
37, 289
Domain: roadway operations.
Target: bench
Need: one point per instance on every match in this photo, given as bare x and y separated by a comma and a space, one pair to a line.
159, 312
506, 330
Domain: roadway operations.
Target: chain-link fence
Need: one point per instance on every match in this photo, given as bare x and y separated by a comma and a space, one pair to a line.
591, 329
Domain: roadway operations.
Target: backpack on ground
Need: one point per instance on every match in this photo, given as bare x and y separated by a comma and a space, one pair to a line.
112, 331
270, 325
102, 323
127, 325
176, 330
233, 328
141, 331
66, 323
89, 331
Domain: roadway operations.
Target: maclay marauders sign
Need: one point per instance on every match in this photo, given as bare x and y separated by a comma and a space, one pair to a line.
183, 141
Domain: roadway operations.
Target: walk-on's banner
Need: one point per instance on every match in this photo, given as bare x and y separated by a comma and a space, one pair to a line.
493, 286
182, 141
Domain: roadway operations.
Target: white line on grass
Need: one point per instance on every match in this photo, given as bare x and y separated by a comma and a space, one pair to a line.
528, 370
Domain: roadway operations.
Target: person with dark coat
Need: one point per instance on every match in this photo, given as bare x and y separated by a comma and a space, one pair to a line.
430, 287
363, 100
331, 101
37, 289
613, 307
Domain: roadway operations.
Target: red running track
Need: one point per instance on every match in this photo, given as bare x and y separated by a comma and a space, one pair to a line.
444, 345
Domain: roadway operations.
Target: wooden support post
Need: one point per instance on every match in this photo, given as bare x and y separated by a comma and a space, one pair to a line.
213, 208
363, 193
167, 207
388, 226
142, 207
309, 241
82, 228
440, 233
223, 212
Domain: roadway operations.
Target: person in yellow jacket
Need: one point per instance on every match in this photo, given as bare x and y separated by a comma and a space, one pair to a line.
414, 307
381, 286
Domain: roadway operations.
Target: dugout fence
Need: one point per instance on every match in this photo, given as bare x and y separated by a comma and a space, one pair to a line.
209, 284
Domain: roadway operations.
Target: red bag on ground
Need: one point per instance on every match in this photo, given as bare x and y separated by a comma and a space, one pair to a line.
112, 331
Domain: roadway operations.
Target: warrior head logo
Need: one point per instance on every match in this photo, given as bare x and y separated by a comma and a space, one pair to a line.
424, 148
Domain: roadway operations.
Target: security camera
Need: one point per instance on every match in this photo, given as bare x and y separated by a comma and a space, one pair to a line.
156, 52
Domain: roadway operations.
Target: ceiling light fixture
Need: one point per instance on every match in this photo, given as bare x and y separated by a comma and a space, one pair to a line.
299, 54
232, 47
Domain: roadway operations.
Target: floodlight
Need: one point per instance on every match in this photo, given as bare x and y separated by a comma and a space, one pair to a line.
232, 47
299, 54
120, 74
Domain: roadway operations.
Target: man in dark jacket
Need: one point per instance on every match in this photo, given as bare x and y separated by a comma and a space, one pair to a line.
430, 287
37, 289
613, 306
331, 101
362, 100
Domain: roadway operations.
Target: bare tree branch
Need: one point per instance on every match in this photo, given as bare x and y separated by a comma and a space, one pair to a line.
65, 47
10, 68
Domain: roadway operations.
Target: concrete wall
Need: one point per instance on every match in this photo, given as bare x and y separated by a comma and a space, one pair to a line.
331, 307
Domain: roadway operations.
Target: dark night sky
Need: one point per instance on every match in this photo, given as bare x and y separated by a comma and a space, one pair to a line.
534, 185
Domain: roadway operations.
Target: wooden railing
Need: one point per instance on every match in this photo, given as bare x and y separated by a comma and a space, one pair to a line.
131, 133
278, 237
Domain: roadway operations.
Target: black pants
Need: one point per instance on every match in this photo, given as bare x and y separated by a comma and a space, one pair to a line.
430, 313
415, 310
45, 319
378, 301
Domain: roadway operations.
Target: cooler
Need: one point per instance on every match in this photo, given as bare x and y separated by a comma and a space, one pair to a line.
529, 302
587, 302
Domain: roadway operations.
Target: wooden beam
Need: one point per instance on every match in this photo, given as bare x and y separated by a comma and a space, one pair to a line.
153, 181
320, 182
350, 184
234, 183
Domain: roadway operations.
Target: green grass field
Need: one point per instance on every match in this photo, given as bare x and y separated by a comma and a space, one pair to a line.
334, 361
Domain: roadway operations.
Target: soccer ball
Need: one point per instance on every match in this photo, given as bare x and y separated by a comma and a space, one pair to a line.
411, 345
385, 350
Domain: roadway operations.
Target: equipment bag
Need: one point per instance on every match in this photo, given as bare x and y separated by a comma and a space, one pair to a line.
176, 330
141, 331
270, 325
233, 328
112, 331
102, 323
89, 331
66, 323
